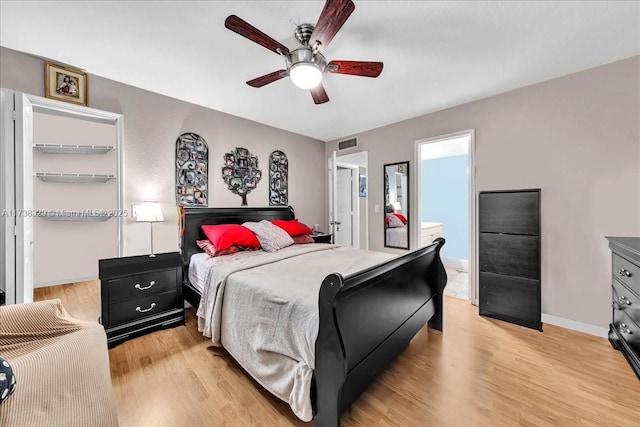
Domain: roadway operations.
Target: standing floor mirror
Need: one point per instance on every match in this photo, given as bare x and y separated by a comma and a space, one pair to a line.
396, 205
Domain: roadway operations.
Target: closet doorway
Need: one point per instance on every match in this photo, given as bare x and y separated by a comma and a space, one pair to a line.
81, 215
445, 183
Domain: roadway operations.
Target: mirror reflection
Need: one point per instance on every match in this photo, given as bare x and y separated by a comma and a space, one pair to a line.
396, 201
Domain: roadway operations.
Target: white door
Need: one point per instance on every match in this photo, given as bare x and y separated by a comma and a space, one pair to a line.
7, 203
344, 207
24, 198
16, 197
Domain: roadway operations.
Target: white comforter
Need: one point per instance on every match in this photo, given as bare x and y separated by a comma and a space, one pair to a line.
263, 308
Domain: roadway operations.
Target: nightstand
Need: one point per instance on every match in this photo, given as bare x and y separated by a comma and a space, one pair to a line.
140, 294
320, 237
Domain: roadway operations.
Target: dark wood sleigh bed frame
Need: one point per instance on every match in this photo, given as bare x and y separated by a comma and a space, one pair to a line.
366, 319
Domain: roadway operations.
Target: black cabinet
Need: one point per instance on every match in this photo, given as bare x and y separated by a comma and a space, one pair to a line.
509, 256
624, 330
140, 294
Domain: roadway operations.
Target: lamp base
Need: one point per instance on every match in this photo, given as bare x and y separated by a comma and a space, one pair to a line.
152, 256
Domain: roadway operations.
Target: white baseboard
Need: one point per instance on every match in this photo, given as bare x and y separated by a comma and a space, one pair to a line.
456, 264
63, 282
576, 326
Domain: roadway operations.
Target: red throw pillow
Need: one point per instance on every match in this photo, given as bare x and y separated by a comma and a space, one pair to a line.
292, 227
302, 239
223, 236
401, 217
211, 250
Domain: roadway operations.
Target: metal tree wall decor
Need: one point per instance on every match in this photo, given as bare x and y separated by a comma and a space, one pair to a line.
278, 179
240, 172
192, 157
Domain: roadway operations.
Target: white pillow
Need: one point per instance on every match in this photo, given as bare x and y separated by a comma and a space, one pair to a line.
271, 237
394, 221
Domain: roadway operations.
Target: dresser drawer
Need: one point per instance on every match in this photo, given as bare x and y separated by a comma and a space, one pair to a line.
627, 272
627, 329
625, 300
141, 285
137, 309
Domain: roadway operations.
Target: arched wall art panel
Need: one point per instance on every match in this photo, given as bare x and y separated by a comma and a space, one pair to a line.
278, 179
192, 157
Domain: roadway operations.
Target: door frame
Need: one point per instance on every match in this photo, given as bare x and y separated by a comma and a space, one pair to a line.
472, 217
17, 113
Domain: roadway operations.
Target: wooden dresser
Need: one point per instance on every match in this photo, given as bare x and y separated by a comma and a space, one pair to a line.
429, 232
509, 256
624, 331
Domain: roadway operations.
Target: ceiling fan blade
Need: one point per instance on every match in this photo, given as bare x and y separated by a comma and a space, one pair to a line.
319, 95
333, 16
267, 78
247, 30
356, 68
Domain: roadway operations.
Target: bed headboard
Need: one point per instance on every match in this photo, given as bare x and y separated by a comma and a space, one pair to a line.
193, 218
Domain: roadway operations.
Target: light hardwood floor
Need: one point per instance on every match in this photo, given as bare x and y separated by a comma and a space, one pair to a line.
479, 372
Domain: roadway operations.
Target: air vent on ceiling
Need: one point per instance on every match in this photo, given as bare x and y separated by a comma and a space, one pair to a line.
348, 143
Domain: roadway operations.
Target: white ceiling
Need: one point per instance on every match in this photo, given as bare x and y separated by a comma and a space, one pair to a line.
436, 54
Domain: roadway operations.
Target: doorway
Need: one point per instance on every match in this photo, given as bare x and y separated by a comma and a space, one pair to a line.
19, 112
446, 206
348, 207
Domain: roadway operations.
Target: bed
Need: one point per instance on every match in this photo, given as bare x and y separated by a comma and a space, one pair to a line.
364, 318
397, 237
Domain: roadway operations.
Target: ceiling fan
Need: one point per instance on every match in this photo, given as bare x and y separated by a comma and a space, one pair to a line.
306, 64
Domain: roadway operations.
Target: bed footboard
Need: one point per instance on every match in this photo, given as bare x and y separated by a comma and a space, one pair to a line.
366, 320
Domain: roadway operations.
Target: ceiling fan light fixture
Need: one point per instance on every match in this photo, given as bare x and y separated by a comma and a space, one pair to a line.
305, 75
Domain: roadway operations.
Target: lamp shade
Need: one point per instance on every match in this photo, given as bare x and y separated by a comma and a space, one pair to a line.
148, 212
305, 75
397, 206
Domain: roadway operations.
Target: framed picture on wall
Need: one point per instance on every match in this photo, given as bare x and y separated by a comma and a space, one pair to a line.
362, 185
65, 84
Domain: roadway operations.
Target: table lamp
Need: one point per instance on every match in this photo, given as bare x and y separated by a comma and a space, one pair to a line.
148, 212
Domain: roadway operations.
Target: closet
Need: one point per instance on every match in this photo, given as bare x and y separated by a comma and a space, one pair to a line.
75, 198
61, 194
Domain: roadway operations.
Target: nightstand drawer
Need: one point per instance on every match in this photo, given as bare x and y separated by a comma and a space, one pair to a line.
627, 272
141, 285
137, 309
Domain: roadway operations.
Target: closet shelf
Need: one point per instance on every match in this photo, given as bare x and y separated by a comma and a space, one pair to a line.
74, 177
76, 216
73, 149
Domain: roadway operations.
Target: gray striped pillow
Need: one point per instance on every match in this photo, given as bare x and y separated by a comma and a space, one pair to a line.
271, 237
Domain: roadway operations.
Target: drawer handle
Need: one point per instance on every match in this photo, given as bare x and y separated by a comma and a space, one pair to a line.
144, 310
625, 330
144, 288
624, 272
624, 300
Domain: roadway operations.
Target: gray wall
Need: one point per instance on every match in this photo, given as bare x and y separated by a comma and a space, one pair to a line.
578, 139
152, 123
